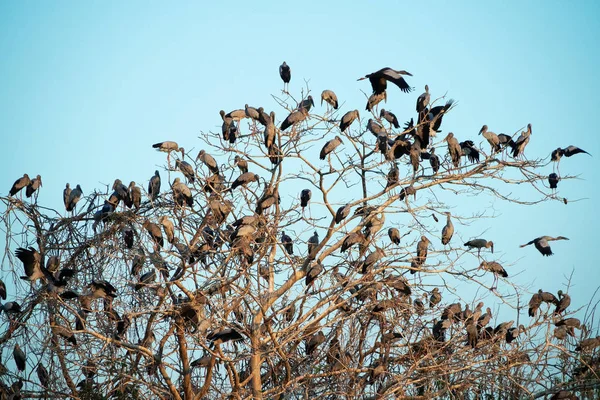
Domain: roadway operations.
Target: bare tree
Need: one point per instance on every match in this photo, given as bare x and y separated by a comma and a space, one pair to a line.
257, 270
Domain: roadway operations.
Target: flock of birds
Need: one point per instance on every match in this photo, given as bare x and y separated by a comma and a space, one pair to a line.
414, 143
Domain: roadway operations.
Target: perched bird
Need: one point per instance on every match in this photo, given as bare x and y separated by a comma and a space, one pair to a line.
154, 186
480, 244
389, 117
513, 333
182, 195
495, 268
521, 142
421, 257
330, 98
154, 232
32, 263
43, 375
375, 128
375, 99
563, 303
570, 324
393, 176
33, 185
146, 279
168, 227
315, 341
313, 243
2, 290
330, 146
19, 184
491, 137
135, 194
288, 244
588, 344
563, 395
506, 141
186, 169
553, 180
435, 297
66, 194
252, 113
380, 78
423, 100
20, 358
314, 270
294, 118
434, 160
244, 179
394, 235
567, 152
542, 245
353, 239
371, 260
535, 303
468, 150
74, 197
348, 119
448, 230
286, 75
209, 161
241, 164
224, 335
305, 197
307, 103
342, 213
454, 149
472, 335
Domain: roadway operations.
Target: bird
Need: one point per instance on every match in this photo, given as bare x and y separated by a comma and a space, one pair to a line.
74, 197
452, 312
472, 335
224, 335
146, 279
348, 119
244, 179
513, 333
19, 184
542, 245
286, 75
20, 358
2, 290
563, 395
313, 243
389, 117
588, 344
394, 235
506, 141
241, 164
567, 152
208, 160
375, 99
330, 98
307, 103
563, 303
375, 128
33, 185
293, 118
182, 195
380, 78
480, 244
154, 186
154, 232
521, 142
393, 176
352, 239
495, 268
288, 244
435, 297
168, 227
167, 147
448, 230
305, 196
553, 180
436, 114
43, 375
314, 269
342, 213
454, 149
468, 149
32, 263
423, 100
315, 341
186, 169
535, 303
491, 137
371, 260
434, 160
330, 146
421, 257
65, 333
570, 324
252, 113
66, 194
135, 194
270, 131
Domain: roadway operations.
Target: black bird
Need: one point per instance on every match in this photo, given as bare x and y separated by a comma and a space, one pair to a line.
32, 263
434, 160
567, 152
315, 341
154, 186
2, 290
244, 179
436, 115
74, 197
288, 244
553, 180
313, 242
469, 150
380, 78
43, 375
394, 235
342, 213
286, 74
314, 270
307, 103
542, 245
224, 335
305, 196
20, 358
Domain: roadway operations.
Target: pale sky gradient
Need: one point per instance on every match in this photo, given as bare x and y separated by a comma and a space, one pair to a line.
87, 87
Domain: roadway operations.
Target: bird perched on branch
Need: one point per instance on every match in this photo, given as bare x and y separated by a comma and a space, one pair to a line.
286, 75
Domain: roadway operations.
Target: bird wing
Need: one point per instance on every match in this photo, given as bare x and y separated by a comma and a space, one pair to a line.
396, 78
572, 150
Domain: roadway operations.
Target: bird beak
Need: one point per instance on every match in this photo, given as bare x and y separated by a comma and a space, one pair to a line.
360, 79
492, 249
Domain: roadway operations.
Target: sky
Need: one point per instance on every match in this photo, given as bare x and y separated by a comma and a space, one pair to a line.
88, 87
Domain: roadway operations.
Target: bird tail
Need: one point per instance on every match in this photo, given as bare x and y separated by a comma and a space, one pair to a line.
156, 145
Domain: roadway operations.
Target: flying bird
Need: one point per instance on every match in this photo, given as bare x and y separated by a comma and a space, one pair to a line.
379, 80
542, 245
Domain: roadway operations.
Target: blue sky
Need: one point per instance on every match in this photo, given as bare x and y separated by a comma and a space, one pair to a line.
87, 87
